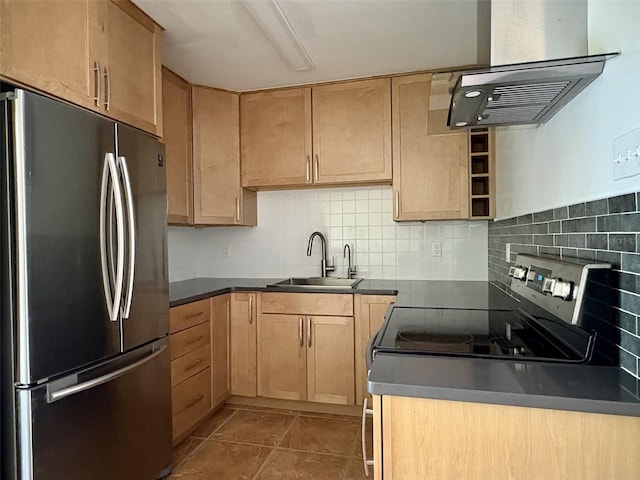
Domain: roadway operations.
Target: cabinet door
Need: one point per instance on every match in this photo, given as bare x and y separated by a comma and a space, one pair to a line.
44, 44
243, 344
330, 369
276, 138
430, 173
176, 107
216, 157
282, 357
220, 380
127, 44
368, 317
352, 132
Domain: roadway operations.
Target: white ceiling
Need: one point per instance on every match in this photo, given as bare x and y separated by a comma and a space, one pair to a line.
217, 43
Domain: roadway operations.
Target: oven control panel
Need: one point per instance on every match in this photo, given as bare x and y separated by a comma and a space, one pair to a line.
537, 277
553, 284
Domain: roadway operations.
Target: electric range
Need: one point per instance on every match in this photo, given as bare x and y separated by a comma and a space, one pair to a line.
545, 322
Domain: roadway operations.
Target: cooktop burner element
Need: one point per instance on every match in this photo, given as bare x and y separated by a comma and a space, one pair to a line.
544, 326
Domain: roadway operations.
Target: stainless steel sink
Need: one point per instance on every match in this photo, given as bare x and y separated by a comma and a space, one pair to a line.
318, 282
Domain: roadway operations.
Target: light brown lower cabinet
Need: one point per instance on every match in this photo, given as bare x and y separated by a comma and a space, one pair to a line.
443, 440
220, 375
199, 350
190, 352
302, 357
242, 332
369, 312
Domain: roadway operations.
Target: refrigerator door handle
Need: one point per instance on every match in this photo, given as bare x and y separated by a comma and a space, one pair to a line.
131, 235
54, 396
113, 300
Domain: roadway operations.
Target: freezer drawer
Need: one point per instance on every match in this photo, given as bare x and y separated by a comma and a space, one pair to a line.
120, 429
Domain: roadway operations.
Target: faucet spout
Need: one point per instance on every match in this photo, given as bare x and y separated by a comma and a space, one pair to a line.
324, 268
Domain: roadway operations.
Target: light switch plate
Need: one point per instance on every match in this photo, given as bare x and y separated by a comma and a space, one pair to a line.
508, 253
626, 155
226, 251
436, 249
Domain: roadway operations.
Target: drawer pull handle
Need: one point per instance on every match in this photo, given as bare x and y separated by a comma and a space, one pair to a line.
250, 309
193, 315
194, 402
300, 333
193, 364
309, 332
191, 341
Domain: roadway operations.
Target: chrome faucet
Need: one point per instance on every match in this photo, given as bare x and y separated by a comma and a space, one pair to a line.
324, 267
351, 269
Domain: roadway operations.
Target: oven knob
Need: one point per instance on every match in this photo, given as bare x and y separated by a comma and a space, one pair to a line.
547, 285
519, 273
562, 289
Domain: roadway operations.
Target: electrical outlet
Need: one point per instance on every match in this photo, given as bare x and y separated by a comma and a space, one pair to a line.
226, 251
436, 249
626, 155
507, 255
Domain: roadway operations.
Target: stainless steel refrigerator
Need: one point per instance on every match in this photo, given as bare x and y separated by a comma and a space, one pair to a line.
84, 320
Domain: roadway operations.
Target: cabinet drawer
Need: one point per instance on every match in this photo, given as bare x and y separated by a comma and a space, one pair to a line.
308, 303
190, 401
188, 315
190, 364
188, 340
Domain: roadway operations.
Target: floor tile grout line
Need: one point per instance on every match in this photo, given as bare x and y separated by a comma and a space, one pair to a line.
203, 439
273, 449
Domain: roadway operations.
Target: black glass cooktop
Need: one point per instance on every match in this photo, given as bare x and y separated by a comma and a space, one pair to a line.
481, 333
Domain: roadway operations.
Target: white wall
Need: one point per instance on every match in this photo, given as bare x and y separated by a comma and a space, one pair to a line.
359, 216
569, 159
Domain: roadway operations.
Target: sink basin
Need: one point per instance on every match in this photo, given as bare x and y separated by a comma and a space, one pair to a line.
318, 282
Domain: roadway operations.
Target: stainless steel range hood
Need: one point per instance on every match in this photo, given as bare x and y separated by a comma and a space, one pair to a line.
530, 92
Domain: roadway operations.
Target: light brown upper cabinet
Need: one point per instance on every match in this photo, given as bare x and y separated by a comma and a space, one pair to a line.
125, 45
276, 138
352, 132
430, 173
176, 105
44, 44
218, 198
350, 144
101, 55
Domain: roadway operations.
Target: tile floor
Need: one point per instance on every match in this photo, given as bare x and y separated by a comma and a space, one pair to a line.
248, 443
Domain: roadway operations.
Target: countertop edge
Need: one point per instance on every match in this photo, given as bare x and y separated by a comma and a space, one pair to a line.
529, 400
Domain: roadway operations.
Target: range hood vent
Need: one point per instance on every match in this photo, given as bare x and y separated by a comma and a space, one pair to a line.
538, 56
518, 94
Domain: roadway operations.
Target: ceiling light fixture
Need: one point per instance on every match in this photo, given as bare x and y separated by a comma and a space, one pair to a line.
276, 27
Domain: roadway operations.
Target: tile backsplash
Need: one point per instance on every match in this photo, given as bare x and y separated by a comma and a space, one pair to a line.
361, 217
606, 230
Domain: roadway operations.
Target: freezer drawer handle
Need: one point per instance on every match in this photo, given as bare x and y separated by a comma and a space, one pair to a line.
81, 387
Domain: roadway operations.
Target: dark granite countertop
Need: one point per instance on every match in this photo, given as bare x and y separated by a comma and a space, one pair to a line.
597, 389
410, 293
585, 388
